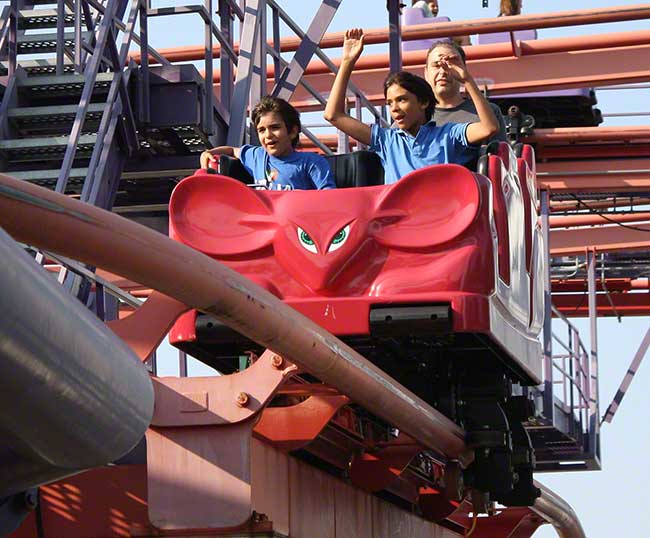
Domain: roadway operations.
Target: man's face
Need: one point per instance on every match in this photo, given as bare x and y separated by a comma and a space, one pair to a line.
439, 78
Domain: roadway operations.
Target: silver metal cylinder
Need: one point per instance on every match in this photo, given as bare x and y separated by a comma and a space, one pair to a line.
73, 395
558, 513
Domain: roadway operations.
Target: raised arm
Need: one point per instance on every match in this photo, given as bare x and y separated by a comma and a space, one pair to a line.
487, 126
335, 108
208, 157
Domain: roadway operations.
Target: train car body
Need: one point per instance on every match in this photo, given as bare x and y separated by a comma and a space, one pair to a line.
442, 252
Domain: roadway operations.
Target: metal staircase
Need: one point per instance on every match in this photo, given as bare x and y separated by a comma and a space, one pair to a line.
66, 120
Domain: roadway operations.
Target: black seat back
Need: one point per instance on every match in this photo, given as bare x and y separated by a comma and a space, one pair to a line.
356, 169
231, 167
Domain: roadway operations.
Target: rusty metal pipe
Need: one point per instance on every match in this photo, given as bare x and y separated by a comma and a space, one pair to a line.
417, 58
566, 135
620, 202
557, 221
54, 222
442, 29
558, 513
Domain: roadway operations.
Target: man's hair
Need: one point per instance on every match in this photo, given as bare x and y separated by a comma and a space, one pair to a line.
450, 45
416, 85
290, 116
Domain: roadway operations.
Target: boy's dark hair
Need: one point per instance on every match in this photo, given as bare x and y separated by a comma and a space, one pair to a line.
288, 113
450, 45
416, 85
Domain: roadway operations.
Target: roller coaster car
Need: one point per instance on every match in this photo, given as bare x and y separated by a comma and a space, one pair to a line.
435, 278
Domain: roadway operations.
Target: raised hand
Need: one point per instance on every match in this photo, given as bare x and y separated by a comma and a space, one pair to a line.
352, 44
455, 66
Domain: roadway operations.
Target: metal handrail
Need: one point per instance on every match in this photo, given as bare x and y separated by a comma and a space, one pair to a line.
574, 373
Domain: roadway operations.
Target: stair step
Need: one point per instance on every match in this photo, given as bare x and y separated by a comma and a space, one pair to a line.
32, 19
39, 67
48, 178
40, 43
54, 119
41, 2
45, 148
49, 86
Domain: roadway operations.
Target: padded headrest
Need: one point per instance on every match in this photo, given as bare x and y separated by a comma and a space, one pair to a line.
356, 169
231, 167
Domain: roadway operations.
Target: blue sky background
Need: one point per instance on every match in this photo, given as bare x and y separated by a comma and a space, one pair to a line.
612, 502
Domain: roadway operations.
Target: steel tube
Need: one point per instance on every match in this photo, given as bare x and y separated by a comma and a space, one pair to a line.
571, 135
609, 203
447, 29
60, 224
557, 221
73, 394
558, 513
416, 59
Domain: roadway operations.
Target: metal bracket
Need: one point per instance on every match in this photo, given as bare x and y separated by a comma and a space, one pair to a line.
199, 445
374, 471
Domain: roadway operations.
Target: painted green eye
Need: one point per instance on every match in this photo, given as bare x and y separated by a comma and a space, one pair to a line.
339, 239
306, 240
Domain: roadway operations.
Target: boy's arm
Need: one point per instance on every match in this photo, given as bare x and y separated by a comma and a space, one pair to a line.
321, 174
487, 125
335, 108
208, 157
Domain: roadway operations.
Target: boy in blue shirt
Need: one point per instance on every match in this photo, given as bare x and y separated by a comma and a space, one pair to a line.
417, 141
276, 163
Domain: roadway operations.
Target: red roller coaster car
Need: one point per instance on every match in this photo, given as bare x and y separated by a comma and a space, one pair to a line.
443, 251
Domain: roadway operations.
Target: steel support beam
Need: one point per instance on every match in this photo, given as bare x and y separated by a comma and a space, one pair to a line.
105, 240
623, 201
572, 135
611, 285
292, 74
547, 330
575, 305
562, 70
611, 238
594, 219
615, 149
394, 35
594, 412
258, 77
237, 125
461, 28
627, 380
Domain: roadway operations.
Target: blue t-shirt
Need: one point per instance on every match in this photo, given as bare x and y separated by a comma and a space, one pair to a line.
401, 153
298, 170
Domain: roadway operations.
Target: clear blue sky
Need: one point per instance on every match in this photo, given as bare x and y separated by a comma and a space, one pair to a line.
613, 502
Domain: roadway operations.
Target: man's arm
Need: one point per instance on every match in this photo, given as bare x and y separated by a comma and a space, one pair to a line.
335, 108
208, 157
487, 125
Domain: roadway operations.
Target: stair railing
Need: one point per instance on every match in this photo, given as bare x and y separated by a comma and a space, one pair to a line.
10, 35
574, 376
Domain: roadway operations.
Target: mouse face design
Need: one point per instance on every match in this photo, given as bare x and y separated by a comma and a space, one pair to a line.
322, 239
